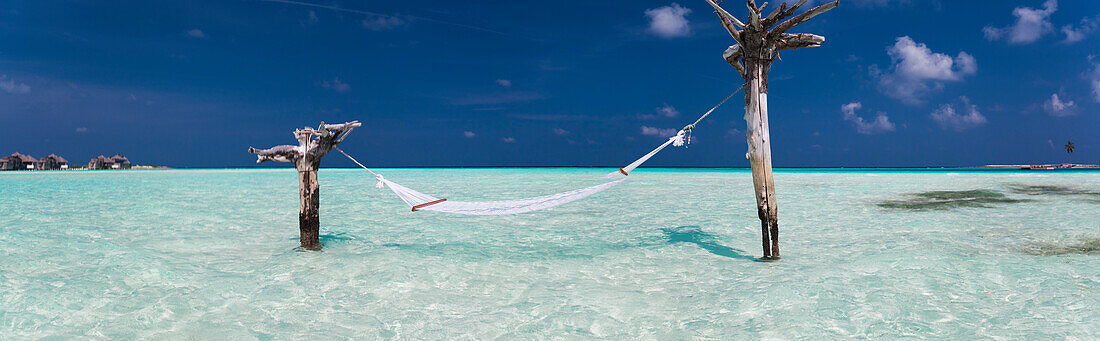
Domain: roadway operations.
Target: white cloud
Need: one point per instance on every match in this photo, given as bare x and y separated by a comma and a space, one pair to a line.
734, 132
196, 33
508, 140
1076, 34
664, 110
498, 98
560, 131
1094, 78
469, 134
383, 22
669, 21
505, 83
310, 20
11, 87
948, 118
916, 70
336, 85
659, 132
1055, 106
881, 123
668, 111
1031, 24
993, 33
82, 129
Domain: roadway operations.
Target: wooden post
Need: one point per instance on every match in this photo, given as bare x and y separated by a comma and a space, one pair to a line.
758, 44
313, 144
309, 221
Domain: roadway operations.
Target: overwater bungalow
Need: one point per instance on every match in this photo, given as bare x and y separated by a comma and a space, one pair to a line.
17, 162
115, 162
53, 162
100, 162
120, 161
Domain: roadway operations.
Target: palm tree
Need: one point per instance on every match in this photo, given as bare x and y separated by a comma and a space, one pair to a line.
1069, 151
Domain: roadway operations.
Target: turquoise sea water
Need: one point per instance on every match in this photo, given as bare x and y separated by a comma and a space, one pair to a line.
867, 253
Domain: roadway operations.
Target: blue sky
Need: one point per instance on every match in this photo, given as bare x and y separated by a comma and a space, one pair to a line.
584, 83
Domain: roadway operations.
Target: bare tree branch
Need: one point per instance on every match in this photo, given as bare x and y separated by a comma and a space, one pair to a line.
782, 14
344, 135
772, 17
313, 144
754, 15
340, 127
733, 57
797, 40
728, 21
778, 31
282, 153
722, 12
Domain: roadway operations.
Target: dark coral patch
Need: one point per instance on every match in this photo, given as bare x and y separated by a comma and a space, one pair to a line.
1086, 195
1087, 246
944, 200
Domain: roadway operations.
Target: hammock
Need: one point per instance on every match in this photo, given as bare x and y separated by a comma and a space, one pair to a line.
420, 201
423, 202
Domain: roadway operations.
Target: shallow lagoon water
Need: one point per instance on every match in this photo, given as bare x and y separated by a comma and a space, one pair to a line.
177, 254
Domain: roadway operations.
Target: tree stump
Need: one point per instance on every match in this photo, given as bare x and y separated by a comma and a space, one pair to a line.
313, 144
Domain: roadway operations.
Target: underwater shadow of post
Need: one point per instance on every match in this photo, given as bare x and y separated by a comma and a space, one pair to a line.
695, 235
336, 237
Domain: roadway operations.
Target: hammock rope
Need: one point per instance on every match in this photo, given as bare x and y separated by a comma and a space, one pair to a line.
422, 202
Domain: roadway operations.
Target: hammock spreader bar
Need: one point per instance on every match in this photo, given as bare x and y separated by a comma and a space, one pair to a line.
428, 204
423, 202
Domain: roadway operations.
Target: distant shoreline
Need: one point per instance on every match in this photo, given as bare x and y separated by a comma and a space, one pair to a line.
1036, 167
85, 168
929, 168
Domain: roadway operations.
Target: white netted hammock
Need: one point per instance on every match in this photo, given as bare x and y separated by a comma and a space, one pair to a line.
423, 202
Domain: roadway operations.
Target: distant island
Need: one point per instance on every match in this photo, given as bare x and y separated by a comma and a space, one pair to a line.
1037, 166
17, 161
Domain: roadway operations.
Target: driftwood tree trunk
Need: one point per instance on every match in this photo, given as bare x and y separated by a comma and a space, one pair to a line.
760, 155
758, 44
309, 221
313, 144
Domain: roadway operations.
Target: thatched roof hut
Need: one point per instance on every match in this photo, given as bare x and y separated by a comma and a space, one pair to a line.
53, 162
99, 162
120, 161
17, 162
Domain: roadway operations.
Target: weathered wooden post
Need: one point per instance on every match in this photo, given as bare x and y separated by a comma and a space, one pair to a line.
752, 56
313, 144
